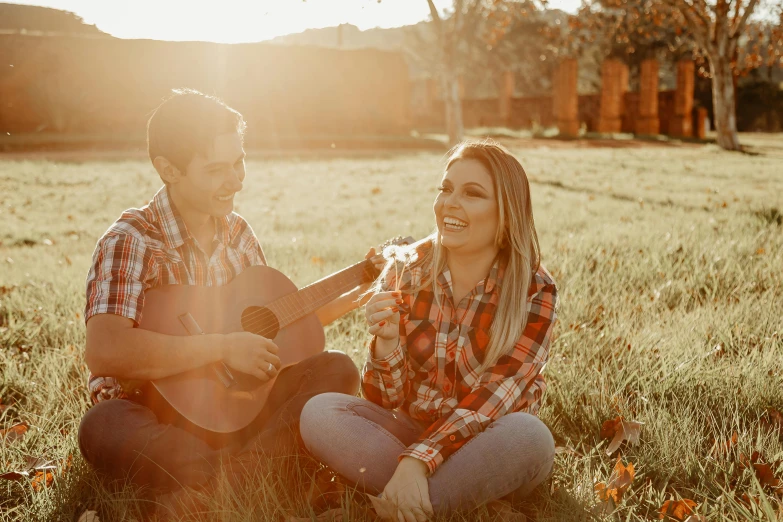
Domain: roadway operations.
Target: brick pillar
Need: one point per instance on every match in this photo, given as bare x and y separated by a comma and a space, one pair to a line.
505, 93
648, 122
683, 100
700, 129
566, 101
613, 72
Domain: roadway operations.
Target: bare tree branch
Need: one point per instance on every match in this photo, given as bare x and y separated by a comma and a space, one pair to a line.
737, 29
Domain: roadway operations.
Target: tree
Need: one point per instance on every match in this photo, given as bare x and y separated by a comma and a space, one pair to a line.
718, 30
463, 36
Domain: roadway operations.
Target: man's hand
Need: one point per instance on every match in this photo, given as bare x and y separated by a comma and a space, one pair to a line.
379, 262
409, 490
252, 354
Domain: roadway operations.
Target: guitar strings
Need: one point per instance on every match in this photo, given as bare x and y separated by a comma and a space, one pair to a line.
264, 315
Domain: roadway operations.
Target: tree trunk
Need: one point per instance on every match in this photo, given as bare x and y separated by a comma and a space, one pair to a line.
453, 106
724, 102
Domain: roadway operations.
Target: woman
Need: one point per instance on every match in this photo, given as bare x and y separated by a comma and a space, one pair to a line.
460, 338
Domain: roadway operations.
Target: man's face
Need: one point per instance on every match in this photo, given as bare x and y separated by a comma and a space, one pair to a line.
212, 179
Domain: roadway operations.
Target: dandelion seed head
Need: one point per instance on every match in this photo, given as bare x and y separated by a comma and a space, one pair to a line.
393, 252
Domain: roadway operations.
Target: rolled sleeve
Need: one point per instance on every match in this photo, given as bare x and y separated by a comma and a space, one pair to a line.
384, 381
118, 277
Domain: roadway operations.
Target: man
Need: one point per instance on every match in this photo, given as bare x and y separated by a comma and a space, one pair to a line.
186, 235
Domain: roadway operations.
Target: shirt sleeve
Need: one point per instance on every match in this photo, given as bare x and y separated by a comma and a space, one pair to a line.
122, 265
514, 383
249, 246
385, 381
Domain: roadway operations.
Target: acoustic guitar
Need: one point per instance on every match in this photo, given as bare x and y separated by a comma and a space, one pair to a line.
216, 400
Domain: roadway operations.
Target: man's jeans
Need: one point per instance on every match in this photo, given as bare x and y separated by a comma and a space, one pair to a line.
125, 440
362, 442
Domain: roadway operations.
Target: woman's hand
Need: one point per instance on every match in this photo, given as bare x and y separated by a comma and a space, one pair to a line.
408, 489
383, 317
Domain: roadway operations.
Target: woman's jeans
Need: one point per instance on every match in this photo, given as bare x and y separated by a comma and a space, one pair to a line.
125, 440
362, 442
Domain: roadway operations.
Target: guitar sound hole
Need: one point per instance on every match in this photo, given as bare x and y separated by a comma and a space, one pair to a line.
260, 321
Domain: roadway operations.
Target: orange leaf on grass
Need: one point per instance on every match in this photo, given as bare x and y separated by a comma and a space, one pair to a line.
766, 477
764, 471
611, 493
723, 448
677, 509
620, 430
13, 433
42, 479
773, 420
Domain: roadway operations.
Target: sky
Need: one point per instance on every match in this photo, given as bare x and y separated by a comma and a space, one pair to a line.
237, 21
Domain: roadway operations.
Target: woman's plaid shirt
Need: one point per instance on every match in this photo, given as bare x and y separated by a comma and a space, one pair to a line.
150, 247
432, 375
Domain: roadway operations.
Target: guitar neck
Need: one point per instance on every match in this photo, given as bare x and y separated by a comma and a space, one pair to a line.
294, 306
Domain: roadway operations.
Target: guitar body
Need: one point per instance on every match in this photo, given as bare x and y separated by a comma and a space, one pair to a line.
199, 396
216, 402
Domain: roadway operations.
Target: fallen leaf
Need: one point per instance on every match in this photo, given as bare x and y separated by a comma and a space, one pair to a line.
620, 430
32, 466
723, 448
677, 509
611, 493
385, 509
13, 433
764, 471
41, 480
760, 252
766, 476
317, 260
773, 420
89, 516
376, 190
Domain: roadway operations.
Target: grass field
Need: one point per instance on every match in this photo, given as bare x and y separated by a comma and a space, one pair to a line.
669, 262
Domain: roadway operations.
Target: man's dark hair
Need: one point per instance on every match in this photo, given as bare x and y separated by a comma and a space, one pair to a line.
186, 123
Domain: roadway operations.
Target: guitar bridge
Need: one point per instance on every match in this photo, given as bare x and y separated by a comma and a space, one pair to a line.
222, 372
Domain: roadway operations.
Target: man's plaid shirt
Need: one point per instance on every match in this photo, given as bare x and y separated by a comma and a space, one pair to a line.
432, 375
150, 247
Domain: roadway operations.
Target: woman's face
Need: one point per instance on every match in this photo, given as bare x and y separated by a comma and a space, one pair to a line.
466, 209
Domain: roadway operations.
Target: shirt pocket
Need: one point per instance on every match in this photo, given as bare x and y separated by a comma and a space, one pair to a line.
420, 344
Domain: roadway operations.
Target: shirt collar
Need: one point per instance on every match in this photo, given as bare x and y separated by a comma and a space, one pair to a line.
494, 279
175, 232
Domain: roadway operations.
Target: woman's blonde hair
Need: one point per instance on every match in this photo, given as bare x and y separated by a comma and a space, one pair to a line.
516, 238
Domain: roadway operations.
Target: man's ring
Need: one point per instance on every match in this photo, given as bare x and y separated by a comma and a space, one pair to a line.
270, 368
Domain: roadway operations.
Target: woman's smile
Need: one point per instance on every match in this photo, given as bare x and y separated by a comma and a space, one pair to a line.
453, 225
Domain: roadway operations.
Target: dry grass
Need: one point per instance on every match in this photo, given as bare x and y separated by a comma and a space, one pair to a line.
669, 266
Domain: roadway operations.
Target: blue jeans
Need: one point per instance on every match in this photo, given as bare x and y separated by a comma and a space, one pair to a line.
362, 442
125, 440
